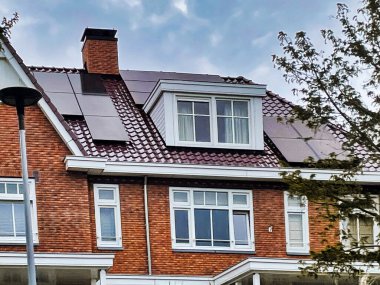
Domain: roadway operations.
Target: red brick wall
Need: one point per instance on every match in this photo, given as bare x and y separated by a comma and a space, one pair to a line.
268, 203
100, 56
62, 198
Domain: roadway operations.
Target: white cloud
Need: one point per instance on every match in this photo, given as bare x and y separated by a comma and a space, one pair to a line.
159, 19
263, 40
181, 5
215, 39
121, 3
204, 65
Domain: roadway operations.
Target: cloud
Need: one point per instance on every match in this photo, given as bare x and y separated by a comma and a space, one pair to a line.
121, 3
159, 19
263, 40
181, 5
215, 39
204, 65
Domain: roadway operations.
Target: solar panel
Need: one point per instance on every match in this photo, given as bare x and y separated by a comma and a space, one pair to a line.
85, 83
297, 142
276, 129
140, 86
96, 105
66, 103
294, 150
54, 82
139, 97
323, 148
106, 128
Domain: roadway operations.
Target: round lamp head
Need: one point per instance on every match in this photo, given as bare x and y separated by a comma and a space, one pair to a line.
22, 96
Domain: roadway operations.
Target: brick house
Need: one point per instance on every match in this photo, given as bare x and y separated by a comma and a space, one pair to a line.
143, 177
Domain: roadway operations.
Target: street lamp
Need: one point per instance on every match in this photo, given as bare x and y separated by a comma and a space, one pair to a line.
21, 97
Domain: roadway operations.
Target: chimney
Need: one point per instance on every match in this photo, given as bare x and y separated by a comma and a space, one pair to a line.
99, 51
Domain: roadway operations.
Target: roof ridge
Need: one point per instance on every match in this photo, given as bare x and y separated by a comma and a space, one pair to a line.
54, 69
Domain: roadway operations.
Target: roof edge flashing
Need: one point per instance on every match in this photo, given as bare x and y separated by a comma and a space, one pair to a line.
195, 87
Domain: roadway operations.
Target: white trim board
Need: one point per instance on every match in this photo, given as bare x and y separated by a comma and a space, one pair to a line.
53, 119
194, 87
101, 166
119, 279
91, 260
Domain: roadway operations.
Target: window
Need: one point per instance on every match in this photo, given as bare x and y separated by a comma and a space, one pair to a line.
211, 219
12, 216
214, 122
296, 222
193, 121
107, 216
361, 229
233, 121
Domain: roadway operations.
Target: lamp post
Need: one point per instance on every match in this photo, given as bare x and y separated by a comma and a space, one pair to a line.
21, 97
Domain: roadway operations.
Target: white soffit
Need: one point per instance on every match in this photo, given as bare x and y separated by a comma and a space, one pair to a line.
17, 76
191, 87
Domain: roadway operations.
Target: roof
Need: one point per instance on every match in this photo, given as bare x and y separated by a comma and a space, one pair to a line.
130, 90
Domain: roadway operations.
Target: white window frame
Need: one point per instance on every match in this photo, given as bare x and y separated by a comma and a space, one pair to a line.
303, 210
105, 203
376, 227
20, 198
252, 117
231, 208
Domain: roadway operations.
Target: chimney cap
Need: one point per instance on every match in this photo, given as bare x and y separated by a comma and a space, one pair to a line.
99, 34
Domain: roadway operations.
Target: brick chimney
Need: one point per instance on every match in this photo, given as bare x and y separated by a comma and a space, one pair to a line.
99, 51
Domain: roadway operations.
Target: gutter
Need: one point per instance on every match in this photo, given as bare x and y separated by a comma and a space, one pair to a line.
101, 166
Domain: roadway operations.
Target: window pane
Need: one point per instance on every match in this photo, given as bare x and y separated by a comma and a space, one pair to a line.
180, 196
21, 188
240, 109
241, 130
295, 230
6, 219
240, 199
181, 226
241, 228
294, 201
222, 199
223, 107
210, 198
225, 133
2, 188
185, 128
11, 188
107, 224
202, 128
366, 229
185, 107
353, 227
19, 219
199, 198
106, 194
220, 227
201, 108
202, 227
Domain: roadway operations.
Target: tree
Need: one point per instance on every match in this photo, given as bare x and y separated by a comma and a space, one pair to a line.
339, 86
7, 24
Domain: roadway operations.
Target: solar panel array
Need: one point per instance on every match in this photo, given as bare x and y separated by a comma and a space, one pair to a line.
297, 142
141, 83
84, 95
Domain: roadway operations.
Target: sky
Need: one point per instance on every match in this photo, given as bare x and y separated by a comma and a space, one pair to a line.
225, 37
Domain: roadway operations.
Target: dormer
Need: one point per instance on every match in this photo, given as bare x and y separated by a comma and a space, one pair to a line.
207, 114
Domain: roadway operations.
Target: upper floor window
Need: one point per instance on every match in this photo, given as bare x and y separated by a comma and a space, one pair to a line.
361, 228
213, 121
12, 216
211, 219
107, 215
297, 226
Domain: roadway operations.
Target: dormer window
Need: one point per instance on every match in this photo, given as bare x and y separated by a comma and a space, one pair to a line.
210, 115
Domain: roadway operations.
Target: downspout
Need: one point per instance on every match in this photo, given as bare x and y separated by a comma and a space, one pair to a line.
147, 225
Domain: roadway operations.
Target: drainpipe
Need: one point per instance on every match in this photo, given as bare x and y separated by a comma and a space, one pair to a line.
147, 225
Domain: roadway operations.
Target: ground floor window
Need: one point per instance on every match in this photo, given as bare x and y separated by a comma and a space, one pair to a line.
211, 219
